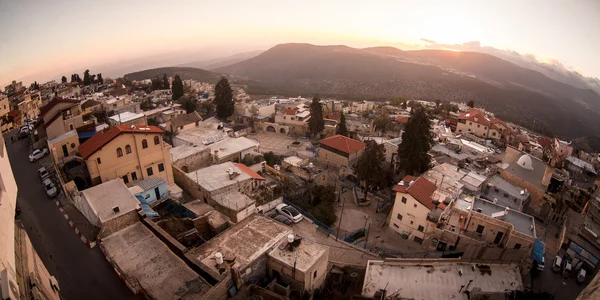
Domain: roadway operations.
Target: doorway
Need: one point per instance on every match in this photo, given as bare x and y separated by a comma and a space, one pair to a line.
65, 151
157, 192
498, 238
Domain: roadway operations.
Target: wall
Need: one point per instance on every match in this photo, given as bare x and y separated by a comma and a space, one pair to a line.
537, 195
113, 225
270, 205
234, 214
8, 200
195, 161
112, 166
330, 158
320, 266
57, 150
262, 126
471, 126
187, 184
139, 121
150, 195
55, 128
418, 215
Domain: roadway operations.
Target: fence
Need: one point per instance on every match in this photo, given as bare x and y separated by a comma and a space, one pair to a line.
322, 226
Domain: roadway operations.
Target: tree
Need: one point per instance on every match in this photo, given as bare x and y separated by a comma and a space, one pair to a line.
471, 104
404, 105
382, 123
177, 88
369, 167
437, 103
272, 158
316, 123
206, 109
189, 105
341, 127
63, 79
165, 82
100, 80
156, 84
224, 99
35, 86
417, 140
75, 78
87, 79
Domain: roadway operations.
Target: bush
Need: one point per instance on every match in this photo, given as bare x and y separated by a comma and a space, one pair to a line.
272, 159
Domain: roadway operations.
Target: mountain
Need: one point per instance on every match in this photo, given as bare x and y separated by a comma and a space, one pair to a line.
183, 72
221, 61
517, 94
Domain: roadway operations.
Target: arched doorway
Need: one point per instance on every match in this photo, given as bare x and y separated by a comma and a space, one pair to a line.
282, 130
271, 129
80, 183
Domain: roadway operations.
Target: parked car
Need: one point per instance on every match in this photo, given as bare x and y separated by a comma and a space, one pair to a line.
22, 135
540, 265
283, 219
50, 188
37, 154
567, 270
43, 173
289, 212
557, 264
581, 275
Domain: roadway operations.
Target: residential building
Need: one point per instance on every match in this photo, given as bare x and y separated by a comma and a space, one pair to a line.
152, 189
60, 116
190, 158
476, 122
109, 206
295, 118
340, 151
183, 122
64, 146
127, 152
410, 215
440, 279
233, 150
4, 105
30, 106
208, 132
504, 193
22, 272
299, 263
206, 183
128, 118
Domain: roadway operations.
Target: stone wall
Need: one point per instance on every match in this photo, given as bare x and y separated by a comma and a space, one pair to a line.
111, 226
195, 161
186, 184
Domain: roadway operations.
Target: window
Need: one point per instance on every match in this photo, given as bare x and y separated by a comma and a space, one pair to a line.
125, 179
485, 127
477, 125
119, 152
415, 205
399, 217
404, 200
493, 133
460, 130
144, 144
411, 222
496, 190
505, 195
480, 229
98, 160
396, 225
149, 171
133, 176
315, 274
517, 246
470, 123
421, 228
70, 126
418, 240
72, 145
157, 139
161, 167
128, 149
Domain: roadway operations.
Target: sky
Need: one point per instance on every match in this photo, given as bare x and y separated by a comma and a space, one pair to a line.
41, 40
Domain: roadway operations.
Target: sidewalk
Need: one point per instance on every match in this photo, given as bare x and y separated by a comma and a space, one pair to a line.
82, 227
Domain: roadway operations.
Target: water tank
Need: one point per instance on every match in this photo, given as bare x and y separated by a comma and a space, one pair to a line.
290, 238
219, 258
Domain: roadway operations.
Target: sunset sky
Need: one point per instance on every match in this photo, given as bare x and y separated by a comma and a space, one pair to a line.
41, 39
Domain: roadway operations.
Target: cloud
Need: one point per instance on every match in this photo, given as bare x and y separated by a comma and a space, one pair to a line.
548, 66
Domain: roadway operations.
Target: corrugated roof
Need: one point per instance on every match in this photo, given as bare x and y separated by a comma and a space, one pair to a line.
344, 144
148, 184
102, 138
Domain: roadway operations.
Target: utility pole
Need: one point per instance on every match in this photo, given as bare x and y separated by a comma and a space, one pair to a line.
341, 215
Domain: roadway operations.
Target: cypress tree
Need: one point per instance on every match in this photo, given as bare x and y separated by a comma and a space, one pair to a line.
316, 123
417, 140
224, 99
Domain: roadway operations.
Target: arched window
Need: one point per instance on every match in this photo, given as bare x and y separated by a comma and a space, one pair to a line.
144, 144
128, 149
156, 140
119, 152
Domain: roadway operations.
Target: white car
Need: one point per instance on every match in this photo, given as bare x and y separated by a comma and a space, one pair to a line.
43, 173
37, 154
289, 212
50, 188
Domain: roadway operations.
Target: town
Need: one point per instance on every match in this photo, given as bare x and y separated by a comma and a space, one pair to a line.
172, 188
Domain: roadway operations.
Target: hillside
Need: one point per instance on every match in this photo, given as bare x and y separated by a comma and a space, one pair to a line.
222, 61
517, 94
183, 72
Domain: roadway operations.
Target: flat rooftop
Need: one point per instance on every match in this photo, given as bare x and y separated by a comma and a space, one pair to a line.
509, 188
234, 200
104, 197
231, 146
534, 176
63, 137
437, 279
216, 176
184, 151
126, 116
208, 131
522, 222
246, 241
304, 256
198, 207
163, 275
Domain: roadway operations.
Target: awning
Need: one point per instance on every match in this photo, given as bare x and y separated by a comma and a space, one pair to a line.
538, 251
86, 135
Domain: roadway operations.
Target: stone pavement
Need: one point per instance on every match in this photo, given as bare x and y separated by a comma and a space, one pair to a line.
279, 143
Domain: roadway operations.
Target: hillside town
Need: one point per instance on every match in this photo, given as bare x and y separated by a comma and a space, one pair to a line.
179, 189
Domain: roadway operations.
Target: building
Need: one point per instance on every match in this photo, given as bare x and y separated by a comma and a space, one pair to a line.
64, 146
504, 193
183, 122
109, 206
21, 268
208, 132
30, 106
128, 118
233, 150
190, 158
233, 204
152, 189
127, 152
4, 105
410, 215
340, 151
295, 118
60, 116
433, 279
299, 263
477, 123
206, 183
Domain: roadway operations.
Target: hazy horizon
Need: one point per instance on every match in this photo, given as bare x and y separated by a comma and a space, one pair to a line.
44, 40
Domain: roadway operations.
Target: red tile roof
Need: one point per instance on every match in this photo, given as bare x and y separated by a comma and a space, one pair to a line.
332, 117
475, 113
421, 190
344, 144
405, 183
249, 171
544, 142
402, 119
102, 138
290, 111
54, 102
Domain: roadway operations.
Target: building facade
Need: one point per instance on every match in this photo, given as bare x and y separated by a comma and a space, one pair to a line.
339, 151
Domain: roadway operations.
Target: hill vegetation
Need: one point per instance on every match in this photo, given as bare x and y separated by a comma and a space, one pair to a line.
184, 72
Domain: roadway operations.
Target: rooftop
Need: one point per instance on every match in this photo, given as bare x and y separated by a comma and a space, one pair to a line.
148, 184
104, 197
422, 190
141, 255
507, 187
533, 173
216, 177
126, 116
208, 131
436, 279
63, 137
233, 200
246, 241
343, 144
102, 138
249, 171
232, 146
183, 120
303, 257
184, 151
522, 222
198, 207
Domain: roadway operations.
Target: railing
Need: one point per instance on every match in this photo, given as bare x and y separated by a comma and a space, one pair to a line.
311, 217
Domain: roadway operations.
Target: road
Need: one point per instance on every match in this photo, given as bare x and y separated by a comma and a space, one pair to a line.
82, 273
553, 283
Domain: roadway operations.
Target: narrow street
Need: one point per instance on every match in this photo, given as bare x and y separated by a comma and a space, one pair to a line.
82, 273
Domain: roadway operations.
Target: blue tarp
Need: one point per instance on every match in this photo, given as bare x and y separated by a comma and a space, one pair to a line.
538, 251
87, 134
145, 207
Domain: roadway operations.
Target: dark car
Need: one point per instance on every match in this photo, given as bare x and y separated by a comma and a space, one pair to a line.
22, 135
283, 219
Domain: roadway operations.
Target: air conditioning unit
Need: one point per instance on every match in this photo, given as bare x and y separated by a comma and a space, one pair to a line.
8, 285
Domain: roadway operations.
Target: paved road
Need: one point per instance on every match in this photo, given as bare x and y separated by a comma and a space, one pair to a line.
82, 273
553, 283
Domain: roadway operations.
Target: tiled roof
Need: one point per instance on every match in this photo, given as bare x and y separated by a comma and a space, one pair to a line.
249, 171
54, 102
344, 144
421, 190
544, 142
102, 138
475, 113
290, 111
405, 181
402, 119
332, 117
183, 120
